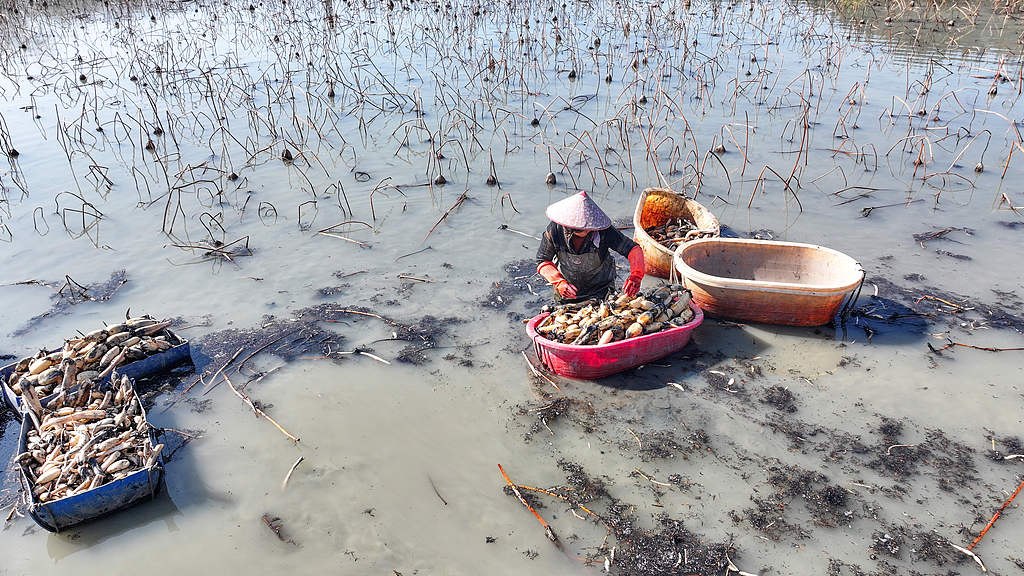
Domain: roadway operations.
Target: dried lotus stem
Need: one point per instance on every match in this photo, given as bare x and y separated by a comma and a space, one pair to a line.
537, 373
288, 476
257, 411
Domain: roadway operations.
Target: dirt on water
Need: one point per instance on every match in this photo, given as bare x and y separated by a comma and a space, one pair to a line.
339, 203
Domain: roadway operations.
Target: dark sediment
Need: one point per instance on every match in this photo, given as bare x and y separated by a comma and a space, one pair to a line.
70, 293
521, 279
307, 332
884, 458
780, 398
924, 305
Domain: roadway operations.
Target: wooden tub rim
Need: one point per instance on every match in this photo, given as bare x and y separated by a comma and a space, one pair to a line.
684, 270
642, 234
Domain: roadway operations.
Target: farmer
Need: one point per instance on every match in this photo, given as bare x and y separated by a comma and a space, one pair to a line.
573, 254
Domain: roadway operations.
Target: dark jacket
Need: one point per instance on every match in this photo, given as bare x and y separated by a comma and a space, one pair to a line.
593, 277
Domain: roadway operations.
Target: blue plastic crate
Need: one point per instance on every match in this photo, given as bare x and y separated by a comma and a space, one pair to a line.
147, 366
71, 511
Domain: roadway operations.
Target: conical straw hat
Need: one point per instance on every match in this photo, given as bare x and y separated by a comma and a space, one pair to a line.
578, 212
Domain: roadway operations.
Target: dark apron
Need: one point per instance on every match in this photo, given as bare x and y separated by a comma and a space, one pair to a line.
592, 277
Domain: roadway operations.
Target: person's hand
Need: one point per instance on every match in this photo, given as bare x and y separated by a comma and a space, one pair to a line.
632, 285
564, 289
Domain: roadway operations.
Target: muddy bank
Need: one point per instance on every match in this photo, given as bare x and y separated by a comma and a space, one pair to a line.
934, 26
830, 479
318, 333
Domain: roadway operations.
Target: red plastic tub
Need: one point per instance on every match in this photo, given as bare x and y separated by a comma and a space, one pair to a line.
591, 362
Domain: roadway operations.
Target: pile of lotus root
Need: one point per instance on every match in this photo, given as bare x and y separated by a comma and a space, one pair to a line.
594, 322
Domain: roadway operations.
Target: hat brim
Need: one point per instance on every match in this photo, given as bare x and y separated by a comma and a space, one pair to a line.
578, 212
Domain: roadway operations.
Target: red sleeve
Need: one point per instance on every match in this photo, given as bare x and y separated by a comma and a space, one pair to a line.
636, 262
549, 272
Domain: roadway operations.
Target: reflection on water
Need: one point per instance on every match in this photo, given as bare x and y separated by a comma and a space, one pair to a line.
160, 510
242, 164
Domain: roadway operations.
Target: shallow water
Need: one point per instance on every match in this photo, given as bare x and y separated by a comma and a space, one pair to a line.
379, 439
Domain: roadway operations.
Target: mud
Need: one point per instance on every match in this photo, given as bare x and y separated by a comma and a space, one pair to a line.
781, 398
827, 504
464, 357
764, 515
837, 444
888, 542
332, 291
579, 413
795, 492
6, 417
174, 440
307, 332
661, 444
521, 279
727, 383
276, 525
902, 451
961, 257
70, 293
938, 24
668, 548
926, 307
929, 547
1006, 446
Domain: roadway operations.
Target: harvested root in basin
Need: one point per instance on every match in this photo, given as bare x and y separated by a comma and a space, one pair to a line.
618, 317
92, 356
97, 437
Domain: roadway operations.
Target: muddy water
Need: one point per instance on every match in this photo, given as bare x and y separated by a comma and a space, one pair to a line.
399, 471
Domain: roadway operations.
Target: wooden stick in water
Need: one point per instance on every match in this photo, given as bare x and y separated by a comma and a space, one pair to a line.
200, 377
257, 411
458, 202
346, 239
290, 470
213, 380
538, 373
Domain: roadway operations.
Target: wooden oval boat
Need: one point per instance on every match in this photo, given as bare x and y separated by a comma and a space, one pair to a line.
654, 208
767, 281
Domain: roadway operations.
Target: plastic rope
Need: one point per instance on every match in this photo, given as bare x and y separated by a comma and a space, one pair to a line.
847, 308
673, 273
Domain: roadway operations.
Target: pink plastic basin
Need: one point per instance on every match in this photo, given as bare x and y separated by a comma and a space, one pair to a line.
591, 362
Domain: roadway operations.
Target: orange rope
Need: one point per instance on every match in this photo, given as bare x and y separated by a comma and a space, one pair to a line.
547, 529
998, 512
560, 497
